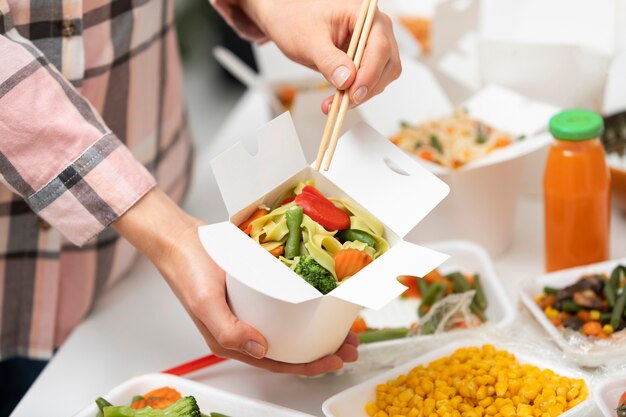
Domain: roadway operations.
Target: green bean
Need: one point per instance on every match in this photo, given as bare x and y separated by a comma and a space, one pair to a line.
618, 309
550, 290
218, 415
480, 298
423, 286
459, 282
609, 293
616, 276
378, 335
430, 326
478, 312
101, 403
354, 234
294, 222
431, 293
605, 317
570, 307
440, 294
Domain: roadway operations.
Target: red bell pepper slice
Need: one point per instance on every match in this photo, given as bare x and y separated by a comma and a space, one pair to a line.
322, 210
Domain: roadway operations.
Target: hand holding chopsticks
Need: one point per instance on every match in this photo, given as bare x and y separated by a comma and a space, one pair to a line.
341, 100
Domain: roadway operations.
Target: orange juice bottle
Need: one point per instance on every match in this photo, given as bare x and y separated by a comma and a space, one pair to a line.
576, 192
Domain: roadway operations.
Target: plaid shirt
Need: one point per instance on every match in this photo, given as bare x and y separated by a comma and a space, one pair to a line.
91, 117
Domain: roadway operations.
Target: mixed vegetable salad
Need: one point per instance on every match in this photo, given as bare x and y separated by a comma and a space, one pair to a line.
433, 290
161, 402
324, 240
595, 305
477, 381
451, 141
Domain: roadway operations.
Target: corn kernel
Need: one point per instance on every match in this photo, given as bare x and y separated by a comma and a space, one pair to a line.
371, 408
594, 315
508, 410
608, 329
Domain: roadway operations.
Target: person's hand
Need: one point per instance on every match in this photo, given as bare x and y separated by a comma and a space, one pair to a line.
316, 33
169, 238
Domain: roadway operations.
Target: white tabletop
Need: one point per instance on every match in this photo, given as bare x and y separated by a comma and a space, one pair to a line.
107, 348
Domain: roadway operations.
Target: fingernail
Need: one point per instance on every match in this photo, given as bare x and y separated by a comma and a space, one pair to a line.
254, 349
360, 94
340, 76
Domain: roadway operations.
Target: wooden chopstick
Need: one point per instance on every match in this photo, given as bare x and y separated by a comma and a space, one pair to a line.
345, 100
332, 113
194, 365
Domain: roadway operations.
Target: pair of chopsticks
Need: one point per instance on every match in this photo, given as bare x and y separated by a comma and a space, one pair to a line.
339, 107
194, 365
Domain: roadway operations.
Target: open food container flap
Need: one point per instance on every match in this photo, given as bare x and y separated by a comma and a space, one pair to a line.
377, 284
252, 265
414, 98
382, 178
243, 178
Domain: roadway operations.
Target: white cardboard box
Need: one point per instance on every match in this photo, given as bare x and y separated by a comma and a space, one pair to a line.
481, 206
299, 323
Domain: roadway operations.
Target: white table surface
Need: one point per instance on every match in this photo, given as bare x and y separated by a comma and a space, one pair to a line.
107, 348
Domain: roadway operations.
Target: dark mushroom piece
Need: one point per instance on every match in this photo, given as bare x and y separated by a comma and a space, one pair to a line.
588, 299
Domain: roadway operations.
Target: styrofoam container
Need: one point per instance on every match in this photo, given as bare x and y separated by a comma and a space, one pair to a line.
209, 399
466, 257
587, 353
351, 402
481, 205
299, 323
607, 394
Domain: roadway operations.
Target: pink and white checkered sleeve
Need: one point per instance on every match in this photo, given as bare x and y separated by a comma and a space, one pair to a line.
55, 150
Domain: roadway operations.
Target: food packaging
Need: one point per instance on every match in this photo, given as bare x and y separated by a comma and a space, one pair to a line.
579, 350
209, 399
481, 205
299, 323
351, 402
466, 257
607, 394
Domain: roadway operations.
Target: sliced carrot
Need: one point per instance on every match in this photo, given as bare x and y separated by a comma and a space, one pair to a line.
410, 282
434, 276
164, 392
584, 315
350, 261
547, 301
139, 404
246, 226
359, 325
502, 142
557, 321
592, 328
395, 140
427, 155
277, 251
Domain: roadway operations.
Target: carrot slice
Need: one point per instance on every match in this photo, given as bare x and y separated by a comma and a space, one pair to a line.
592, 328
359, 325
502, 142
350, 261
246, 226
434, 276
277, 251
139, 404
164, 392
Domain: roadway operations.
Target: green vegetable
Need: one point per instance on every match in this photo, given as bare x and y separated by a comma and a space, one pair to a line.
137, 398
185, 407
423, 286
616, 276
101, 403
436, 144
315, 274
459, 283
479, 298
605, 317
404, 124
480, 135
618, 309
569, 306
218, 415
550, 290
378, 335
478, 312
350, 235
427, 298
609, 292
294, 222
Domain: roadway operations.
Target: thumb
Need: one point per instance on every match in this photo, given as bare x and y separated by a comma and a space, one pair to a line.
333, 63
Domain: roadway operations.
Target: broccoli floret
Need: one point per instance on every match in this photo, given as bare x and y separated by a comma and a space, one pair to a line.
185, 407
315, 274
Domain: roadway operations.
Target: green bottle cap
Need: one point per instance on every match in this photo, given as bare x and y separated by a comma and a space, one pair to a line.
577, 124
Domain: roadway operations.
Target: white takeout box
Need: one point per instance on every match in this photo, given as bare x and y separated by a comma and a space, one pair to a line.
607, 393
481, 206
299, 323
586, 353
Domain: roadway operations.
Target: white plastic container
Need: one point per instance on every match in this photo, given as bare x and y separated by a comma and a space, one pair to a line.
209, 399
607, 394
585, 353
351, 402
466, 257
299, 323
481, 205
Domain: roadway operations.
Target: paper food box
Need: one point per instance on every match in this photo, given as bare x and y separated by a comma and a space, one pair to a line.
299, 323
481, 206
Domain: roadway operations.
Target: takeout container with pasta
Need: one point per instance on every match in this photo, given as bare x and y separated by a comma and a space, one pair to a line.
385, 194
479, 152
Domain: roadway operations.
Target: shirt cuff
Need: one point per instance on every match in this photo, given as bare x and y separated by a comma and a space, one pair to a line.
93, 191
